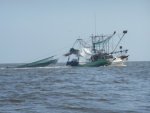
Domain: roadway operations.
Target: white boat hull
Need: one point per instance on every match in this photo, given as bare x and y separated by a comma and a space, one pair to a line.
117, 62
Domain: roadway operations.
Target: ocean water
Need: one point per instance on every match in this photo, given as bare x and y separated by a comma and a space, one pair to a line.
62, 89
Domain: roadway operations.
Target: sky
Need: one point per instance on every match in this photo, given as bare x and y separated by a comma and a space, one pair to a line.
33, 29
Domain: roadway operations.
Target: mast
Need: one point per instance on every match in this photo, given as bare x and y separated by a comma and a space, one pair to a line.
93, 43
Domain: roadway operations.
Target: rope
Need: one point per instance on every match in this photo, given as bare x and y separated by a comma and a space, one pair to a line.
52, 54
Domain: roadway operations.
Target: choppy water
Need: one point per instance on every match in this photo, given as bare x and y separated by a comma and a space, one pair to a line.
62, 89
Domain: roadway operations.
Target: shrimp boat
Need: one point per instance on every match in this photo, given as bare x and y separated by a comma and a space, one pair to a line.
96, 54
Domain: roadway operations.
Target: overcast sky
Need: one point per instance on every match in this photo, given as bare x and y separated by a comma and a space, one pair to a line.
32, 29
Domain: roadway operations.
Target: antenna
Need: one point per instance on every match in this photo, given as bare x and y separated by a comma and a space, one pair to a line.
95, 24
